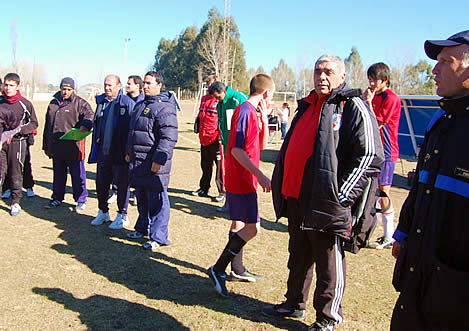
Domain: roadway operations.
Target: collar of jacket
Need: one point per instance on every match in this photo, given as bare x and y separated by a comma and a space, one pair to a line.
455, 105
337, 95
61, 100
162, 97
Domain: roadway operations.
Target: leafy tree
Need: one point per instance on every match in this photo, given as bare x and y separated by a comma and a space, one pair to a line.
175, 61
356, 77
413, 79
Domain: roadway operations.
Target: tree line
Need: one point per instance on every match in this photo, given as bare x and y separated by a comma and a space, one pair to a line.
216, 49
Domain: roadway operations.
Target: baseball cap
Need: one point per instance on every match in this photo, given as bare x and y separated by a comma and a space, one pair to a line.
68, 82
434, 47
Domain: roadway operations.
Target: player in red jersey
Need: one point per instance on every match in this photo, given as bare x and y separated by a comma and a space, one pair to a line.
245, 142
387, 108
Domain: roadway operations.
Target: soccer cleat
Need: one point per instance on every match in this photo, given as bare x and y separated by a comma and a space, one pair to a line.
112, 199
101, 218
322, 326
246, 276
30, 193
219, 280
220, 198
15, 210
81, 207
200, 193
283, 310
53, 204
151, 245
119, 222
6, 194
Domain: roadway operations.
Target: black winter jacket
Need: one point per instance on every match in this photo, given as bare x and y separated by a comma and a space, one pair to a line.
152, 137
347, 149
432, 269
63, 115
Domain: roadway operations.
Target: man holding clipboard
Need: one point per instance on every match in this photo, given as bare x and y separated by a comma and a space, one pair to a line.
67, 111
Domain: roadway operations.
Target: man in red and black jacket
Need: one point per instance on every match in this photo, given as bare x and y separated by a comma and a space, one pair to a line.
17, 121
209, 144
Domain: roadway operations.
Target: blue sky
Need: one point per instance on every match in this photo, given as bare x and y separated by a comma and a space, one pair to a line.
85, 39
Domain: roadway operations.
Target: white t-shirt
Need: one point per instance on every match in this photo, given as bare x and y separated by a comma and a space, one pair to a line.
283, 113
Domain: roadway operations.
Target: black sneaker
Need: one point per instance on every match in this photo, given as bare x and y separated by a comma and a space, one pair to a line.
53, 204
218, 279
200, 193
322, 326
283, 310
246, 276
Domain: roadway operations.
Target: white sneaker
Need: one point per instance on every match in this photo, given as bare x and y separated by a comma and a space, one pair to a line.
30, 193
81, 207
15, 210
101, 218
112, 199
6, 194
119, 222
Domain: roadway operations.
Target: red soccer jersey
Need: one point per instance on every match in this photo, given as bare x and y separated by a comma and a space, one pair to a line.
301, 146
208, 120
245, 134
387, 109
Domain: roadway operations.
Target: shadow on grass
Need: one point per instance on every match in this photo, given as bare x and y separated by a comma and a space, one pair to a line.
274, 226
191, 205
68, 188
128, 316
109, 253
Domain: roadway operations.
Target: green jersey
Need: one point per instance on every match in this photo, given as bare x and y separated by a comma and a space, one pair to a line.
225, 110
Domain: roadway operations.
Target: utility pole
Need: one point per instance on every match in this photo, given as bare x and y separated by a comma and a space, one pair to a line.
226, 40
126, 48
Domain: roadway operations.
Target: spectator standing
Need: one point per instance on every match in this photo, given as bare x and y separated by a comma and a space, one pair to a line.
331, 148
111, 128
17, 116
432, 267
152, 136
209, 136
66, 111
284, 114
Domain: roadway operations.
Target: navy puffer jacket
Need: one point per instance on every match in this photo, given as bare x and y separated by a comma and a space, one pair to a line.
152, 137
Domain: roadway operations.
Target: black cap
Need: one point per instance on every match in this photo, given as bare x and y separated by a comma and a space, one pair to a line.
434, 47
68, 82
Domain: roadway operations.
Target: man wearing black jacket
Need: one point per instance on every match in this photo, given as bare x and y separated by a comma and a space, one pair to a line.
18, 122
432, 267
331, 149
66, 111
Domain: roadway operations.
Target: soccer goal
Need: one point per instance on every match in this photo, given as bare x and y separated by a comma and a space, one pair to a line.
281, 97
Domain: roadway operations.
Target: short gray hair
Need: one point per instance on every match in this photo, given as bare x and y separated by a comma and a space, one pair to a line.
332, 58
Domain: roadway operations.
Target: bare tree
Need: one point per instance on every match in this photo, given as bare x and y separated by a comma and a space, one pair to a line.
14, 44
210, 48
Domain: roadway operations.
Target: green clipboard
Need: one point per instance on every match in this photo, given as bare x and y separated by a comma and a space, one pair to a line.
75, 134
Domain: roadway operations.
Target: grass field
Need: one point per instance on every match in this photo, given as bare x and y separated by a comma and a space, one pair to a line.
60, 273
